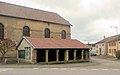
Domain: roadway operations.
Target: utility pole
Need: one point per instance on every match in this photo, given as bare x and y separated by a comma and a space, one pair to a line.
117, 35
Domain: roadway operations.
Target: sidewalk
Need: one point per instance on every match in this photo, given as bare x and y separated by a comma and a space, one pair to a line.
69, 65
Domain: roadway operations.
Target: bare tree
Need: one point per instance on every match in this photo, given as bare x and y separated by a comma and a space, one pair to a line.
5, 46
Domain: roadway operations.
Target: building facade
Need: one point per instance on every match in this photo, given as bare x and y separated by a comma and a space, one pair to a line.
17, 21
109, 45
50, 50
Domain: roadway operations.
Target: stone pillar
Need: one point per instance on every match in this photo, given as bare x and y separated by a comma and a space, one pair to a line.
86, 55
34, 56
46, 56
82, 55
74, 54
66, 55
57, 55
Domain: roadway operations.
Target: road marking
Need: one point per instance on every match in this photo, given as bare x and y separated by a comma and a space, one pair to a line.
94, 69
115, 69
63, 68
104, 69
73, 68
36, 68
5, 69
83, 69
53, 68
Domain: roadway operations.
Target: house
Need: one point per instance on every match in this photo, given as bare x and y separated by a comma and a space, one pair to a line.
114, 45
108, 46
18, 21
101, 47
49, 50
92, 49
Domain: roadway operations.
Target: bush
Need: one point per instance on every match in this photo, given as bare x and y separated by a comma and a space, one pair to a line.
118, 54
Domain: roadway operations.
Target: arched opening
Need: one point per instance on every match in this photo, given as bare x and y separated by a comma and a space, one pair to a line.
1, 31
47, 33
63, 34
26, 31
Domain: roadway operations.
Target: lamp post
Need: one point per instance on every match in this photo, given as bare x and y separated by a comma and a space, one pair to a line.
117, 34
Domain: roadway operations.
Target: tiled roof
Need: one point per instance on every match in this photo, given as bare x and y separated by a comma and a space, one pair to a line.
108, 39
13, 10
51, 43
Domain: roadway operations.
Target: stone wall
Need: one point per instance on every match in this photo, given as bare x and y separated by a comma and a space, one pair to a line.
13, 28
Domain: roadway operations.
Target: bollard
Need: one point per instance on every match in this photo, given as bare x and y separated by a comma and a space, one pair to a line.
6, 61
18, 60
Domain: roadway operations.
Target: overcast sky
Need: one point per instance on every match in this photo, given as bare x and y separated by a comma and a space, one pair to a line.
91, 19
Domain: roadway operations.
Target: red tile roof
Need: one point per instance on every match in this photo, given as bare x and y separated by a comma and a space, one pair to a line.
13, 10
51, 43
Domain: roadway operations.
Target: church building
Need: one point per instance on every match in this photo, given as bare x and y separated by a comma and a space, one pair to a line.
42, 36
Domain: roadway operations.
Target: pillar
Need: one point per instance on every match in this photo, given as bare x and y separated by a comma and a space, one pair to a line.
57, 55
86, 55
34, 56
46, 56
82, 55
66, 55
74, 55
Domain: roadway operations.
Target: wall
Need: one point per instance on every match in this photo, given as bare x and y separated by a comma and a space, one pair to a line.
101, 46
13, 28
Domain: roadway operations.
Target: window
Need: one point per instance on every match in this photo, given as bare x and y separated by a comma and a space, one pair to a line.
27, 53
109, 50
47, 33
114, 51
96, 46
21, 54
26, 31
63, 34
1, 31
102, 44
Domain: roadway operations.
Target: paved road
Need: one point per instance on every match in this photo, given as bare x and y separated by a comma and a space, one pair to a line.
59, 71
106, 66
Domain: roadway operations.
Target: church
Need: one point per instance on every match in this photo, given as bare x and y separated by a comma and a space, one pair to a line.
42, 36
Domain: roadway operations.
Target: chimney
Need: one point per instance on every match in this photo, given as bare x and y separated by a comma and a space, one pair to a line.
104, 37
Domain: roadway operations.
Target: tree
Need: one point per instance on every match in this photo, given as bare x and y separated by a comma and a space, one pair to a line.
5, 46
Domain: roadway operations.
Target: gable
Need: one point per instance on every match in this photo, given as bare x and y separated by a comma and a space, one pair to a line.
23, 44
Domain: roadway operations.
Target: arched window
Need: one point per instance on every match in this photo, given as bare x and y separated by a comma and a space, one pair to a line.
63, 34
47, 33
1, 31
26, 31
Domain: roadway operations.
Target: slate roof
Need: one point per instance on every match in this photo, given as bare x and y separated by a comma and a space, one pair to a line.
12, 10
109, 39
52, 43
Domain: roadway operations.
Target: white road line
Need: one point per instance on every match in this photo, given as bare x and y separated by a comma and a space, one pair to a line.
63, 68
94, 69
115, 69
83, 69
104, 69
53, 68
5, 69
73, 68
44, 69
36, 68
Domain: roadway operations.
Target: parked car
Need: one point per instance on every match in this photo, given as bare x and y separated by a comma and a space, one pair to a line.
93, 53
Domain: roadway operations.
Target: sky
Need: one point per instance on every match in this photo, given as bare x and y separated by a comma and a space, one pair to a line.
91, 19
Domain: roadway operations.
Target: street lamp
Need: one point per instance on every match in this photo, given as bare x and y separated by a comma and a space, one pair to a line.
117, 34
116, 29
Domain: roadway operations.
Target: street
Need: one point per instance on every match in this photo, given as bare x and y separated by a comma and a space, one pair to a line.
105, 66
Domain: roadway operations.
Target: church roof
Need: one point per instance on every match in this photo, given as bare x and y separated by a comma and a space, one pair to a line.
52, 43
12, 10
